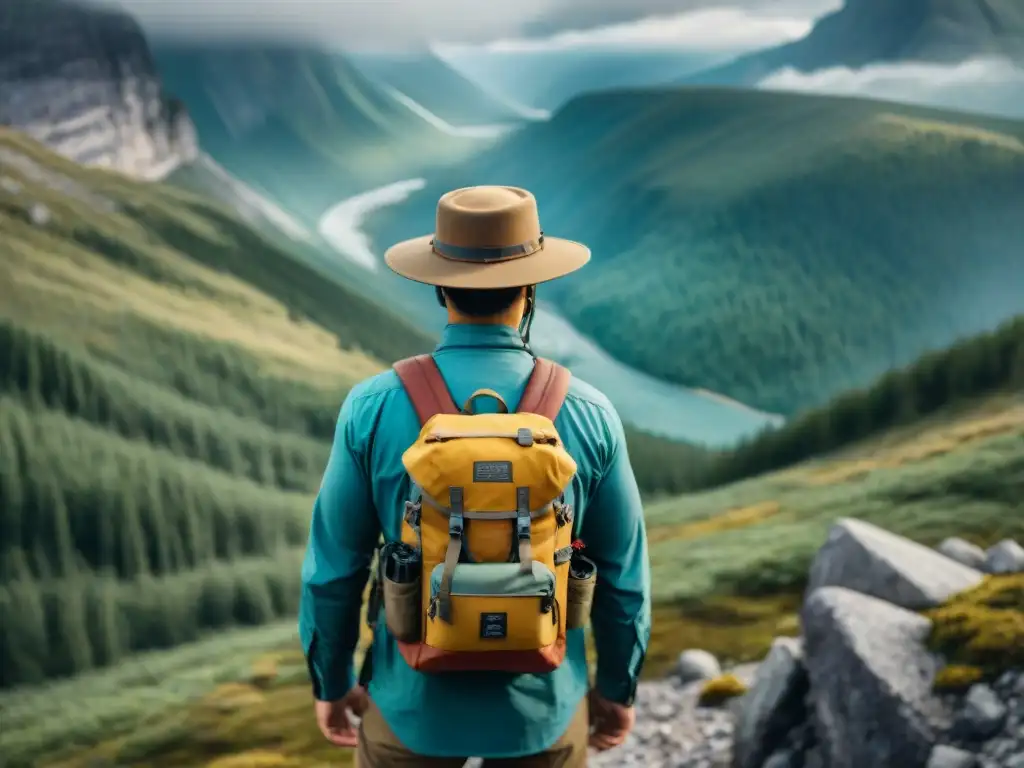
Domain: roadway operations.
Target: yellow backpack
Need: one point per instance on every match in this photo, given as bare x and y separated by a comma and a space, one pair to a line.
479, 580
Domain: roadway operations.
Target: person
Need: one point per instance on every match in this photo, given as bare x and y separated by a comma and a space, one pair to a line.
485, 259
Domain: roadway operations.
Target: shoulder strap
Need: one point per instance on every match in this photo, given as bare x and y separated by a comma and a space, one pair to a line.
425, 386
546, 390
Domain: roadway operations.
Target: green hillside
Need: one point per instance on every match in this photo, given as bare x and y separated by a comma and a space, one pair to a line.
776, 248
304, 127
865, 32
169, 388
428, 80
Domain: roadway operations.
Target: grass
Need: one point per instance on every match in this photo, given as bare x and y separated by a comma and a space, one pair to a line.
815, 242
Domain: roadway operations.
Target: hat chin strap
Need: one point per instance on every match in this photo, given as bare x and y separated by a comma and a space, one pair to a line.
527, 322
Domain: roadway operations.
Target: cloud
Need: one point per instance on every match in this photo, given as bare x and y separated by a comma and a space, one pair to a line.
346, 24
992, 85
404, 24
710, 29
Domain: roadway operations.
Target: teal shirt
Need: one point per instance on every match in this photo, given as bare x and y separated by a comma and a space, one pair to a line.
363, 493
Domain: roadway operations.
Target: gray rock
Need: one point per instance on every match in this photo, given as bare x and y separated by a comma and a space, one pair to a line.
951, 757
695, 664
1017, 760
1005, 557
39, 214
773, 706
870, 677
867, 559
983, 714
963, 552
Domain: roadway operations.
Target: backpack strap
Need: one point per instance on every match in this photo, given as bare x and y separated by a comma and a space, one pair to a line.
546, 390
425, 387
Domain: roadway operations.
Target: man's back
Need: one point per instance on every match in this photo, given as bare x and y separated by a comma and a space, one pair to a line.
363, 493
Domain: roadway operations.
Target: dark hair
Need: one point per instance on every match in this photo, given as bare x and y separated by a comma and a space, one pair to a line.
480, 302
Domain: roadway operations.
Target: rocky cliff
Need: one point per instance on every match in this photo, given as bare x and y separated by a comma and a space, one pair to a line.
81, 80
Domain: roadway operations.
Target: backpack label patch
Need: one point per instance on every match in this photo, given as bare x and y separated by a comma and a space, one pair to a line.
493, 626
492, 471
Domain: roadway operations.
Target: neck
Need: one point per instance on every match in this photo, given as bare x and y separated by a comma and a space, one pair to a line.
512, 318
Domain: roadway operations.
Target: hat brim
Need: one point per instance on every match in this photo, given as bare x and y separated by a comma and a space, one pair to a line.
415, 259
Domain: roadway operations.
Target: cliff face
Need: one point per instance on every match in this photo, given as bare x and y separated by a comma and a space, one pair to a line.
82, 81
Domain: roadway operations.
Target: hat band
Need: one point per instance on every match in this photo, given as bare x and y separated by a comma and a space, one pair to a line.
485, 255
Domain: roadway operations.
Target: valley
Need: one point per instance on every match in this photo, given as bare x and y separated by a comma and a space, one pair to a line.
644, 402
789, 245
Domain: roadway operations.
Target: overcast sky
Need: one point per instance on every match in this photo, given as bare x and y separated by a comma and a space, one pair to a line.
404, 24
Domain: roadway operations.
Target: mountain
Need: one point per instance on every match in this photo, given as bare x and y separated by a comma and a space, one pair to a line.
433, 84
775, 248
82, 81
865, 32
546, 79
304, 127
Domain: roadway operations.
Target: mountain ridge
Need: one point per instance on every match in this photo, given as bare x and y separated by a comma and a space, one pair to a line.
865, 32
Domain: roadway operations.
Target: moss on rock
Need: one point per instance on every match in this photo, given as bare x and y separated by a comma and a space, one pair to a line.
718, 690
957, 677
981, 628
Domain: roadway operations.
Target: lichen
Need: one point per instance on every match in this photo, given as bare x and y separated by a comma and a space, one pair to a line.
718, 690
957, 677
982, 627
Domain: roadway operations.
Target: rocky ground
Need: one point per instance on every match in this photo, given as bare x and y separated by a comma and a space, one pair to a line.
857, 690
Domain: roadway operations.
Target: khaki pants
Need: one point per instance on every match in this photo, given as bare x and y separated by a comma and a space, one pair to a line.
380, 748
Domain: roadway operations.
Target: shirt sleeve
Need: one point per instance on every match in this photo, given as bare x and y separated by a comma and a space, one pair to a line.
342, 537
615, 539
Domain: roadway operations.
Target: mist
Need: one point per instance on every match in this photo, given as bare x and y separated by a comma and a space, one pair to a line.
986, 85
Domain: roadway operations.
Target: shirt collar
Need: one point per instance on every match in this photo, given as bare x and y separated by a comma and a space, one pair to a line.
469, 335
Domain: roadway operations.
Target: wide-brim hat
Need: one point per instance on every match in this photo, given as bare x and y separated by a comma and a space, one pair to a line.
486, 237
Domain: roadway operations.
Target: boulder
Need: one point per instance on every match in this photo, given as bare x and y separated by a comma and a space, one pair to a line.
871, 678
867, 559
39, 214
695, 664
963, 552
1005, 557
951, 757
773, 706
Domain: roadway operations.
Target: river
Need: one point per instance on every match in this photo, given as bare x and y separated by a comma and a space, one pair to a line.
651, 404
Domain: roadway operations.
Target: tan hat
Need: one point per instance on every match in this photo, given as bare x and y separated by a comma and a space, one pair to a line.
486, 237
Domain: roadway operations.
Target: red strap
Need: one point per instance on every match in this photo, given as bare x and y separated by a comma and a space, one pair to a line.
425, 386
546, 390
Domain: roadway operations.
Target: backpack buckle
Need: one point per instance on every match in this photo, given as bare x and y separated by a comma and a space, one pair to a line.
522, 527
524, 436
455, 525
